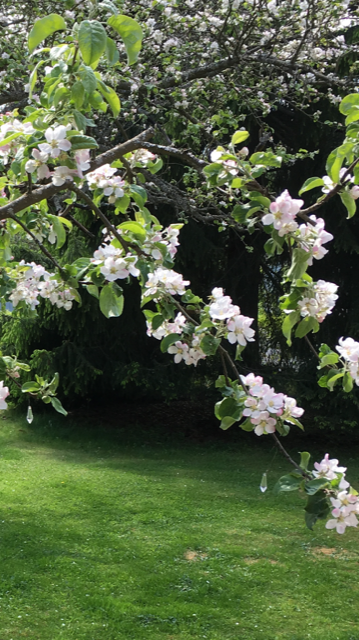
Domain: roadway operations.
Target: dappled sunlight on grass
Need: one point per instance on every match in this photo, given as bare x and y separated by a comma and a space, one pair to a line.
103, 539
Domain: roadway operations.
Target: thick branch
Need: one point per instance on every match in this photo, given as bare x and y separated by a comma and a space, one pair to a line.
49, 190
185, 156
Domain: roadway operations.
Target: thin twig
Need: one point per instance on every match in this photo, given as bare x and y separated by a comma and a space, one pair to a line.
39, 244
101, 215
289, 458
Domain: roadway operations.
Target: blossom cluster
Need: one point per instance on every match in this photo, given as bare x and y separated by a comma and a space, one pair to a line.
32, 280
114, 263
104, 178
282, 214
312, 237
222, 308
166, 281
11, 126
158, 242
264, 407
346, 504
228, 161
349, 350
167, 327
329, 185
190, 352
319, 300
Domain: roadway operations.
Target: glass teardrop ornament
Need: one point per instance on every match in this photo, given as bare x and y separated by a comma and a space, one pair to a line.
30, 415
263, 485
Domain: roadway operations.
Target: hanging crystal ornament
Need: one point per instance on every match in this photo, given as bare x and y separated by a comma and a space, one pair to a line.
30, 415
263, 485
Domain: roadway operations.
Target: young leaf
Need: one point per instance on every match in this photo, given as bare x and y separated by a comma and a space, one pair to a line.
131, 34
30, 387
83, 142
209, 344
44, 28
58, 406
304, 460
111, 300
290, 482
92, 40
288, 323
168, 340
306, 325
78, 94
349, 203
299, 264
311, 183
111, 98
112, 54
239, 136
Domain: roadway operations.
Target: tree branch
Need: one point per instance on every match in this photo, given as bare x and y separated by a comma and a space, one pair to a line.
49, 190
101, 215
39, 244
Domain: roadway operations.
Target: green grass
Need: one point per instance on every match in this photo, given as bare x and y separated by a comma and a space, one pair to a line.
113, 538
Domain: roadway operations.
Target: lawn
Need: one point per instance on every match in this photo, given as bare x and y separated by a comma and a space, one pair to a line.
118, 537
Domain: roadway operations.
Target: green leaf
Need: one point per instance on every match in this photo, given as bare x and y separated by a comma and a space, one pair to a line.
227, 407
44, 28
299, 264
59, 231
92, 40
131, 34
334, 379
111, 300
83, 142
134, 227
10, 138
111, 98
227, 422
334, 164
33, 77
109, 6
93, 290
239, 136
313, 486
330, 358
347, 104
30, 387
168, 340
348, 382
88, 78
112, 54
306, 325
122, 204
54, 383
288, 323
266, 158
209, 344
290, 482
317, 508
78, 93
156, 322
60, 95
304, 460
139, 194
58, 406
349, 203
311, 183
247, 425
